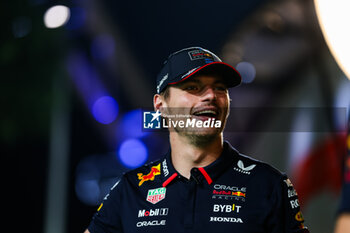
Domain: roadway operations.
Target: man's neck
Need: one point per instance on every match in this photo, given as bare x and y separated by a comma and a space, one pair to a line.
185, 155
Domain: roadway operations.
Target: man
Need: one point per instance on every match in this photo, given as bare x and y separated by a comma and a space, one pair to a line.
343, 219
202, 184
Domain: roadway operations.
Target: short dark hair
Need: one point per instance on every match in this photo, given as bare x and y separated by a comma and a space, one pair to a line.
165, 93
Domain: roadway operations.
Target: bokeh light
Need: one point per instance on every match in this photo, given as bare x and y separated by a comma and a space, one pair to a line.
247, 71
56, 16
131, 125
77, 18
95, 175
300, 142
132, 153
87, 190
342, 102
333, 17
105, 109
102, 47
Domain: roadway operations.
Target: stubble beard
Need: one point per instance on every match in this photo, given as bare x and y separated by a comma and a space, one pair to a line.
200, 140
197, 138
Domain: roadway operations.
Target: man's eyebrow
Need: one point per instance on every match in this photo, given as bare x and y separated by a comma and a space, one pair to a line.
188, 81
192, 80
220, 81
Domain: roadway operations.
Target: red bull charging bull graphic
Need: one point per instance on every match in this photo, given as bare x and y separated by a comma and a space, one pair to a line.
155, 170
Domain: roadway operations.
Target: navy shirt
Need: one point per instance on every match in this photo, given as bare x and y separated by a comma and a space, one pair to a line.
233, 194
344, 206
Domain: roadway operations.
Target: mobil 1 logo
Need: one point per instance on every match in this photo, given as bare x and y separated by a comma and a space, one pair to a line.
153, 212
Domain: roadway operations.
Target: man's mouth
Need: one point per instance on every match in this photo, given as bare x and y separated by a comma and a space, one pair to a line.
204, 114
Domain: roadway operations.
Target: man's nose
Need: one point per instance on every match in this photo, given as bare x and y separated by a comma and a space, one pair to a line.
209, 94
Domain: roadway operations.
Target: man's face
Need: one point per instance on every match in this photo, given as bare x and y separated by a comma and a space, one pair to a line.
202, 98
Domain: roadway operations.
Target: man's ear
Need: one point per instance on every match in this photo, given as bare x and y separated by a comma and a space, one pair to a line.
158, 102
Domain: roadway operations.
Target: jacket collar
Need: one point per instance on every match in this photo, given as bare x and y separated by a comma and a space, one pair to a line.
206, 174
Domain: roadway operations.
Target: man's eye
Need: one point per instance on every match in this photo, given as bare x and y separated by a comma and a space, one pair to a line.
221, 88
191, 88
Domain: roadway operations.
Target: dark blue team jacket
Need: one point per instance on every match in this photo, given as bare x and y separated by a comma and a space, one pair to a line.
344, 205
235, 194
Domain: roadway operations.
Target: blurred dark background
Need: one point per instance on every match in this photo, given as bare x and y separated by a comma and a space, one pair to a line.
75, 80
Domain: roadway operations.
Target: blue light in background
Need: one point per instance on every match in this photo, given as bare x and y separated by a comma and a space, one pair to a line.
342, 101
132, 153
88, 190
247, 71
77, 19
105, 109
131, 125
103, 47
300, 141
95, 175
85, 77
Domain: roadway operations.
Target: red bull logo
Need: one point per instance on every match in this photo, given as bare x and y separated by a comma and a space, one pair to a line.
229, 195
155, 170
221, 192
238, 194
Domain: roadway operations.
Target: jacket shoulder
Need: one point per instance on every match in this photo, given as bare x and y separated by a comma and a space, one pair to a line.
149, 171
248, 165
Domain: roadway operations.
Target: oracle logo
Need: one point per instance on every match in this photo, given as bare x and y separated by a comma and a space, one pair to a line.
151, 223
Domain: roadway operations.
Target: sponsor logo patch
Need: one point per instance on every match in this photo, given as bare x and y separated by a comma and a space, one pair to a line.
153, 212
294, 203
292, 193
229, 192
198, 54
299, 217
242, 169
165, 168
226, 208
226, 219
156, 195
288, 183
151, 223
155, 170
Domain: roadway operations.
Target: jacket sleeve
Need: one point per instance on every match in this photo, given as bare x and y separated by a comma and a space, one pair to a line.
107, 219
286, 215
344, 205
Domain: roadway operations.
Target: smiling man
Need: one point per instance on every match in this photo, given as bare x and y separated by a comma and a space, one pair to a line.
202, 184
201, 102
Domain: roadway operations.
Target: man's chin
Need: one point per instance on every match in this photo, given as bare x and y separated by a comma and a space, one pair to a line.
201, 137
204, 131
203, 140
